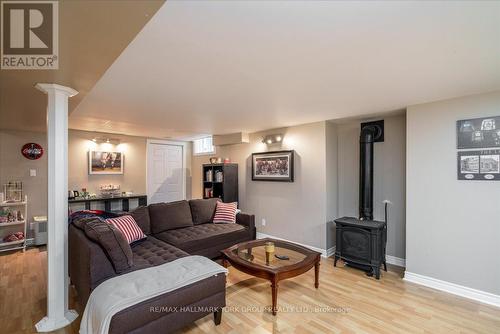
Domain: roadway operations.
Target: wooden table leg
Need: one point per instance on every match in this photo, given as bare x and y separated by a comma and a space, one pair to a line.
274, 287
218, 317
316, 274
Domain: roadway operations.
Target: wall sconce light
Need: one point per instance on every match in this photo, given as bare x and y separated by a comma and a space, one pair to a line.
106, 140
272, 139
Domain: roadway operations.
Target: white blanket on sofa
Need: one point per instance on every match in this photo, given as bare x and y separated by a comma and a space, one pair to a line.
121, 292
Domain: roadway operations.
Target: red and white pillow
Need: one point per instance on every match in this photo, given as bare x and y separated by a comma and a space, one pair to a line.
225, 213
128, 226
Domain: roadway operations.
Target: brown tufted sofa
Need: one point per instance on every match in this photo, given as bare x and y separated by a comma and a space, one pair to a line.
173, 230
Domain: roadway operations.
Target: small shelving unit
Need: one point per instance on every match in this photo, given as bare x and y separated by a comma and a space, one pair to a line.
220, 181
14, 226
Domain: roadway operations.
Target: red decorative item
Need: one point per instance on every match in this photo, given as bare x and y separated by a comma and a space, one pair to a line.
32, 151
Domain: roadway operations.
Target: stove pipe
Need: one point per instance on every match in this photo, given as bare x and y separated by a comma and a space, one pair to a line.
369, 134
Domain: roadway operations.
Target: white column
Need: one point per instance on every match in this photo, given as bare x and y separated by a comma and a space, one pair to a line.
58, 315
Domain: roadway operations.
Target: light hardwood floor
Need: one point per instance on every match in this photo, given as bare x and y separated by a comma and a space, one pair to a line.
348, 302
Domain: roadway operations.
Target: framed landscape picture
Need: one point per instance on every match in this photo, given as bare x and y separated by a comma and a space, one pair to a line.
105, 162
273, 166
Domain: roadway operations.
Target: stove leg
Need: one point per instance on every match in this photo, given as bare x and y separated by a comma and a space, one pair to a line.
335, 261
385, 266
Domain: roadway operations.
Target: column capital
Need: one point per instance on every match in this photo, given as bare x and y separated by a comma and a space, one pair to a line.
52, 87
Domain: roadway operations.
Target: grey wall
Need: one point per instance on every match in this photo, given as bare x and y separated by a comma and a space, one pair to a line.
389, 173
326, 183
453, 227
332, 182
134, 172
15, 167
293, 211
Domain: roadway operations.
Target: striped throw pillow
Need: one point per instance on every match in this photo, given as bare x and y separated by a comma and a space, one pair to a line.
225, 212
128, 226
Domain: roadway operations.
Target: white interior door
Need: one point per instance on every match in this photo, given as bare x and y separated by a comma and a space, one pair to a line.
166, 182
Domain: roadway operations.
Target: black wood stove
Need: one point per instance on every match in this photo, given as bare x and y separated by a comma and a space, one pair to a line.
361, 242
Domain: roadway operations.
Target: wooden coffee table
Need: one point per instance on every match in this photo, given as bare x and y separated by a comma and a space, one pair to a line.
250, 257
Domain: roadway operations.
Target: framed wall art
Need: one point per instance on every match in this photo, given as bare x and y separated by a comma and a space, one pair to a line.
481, 165
273, 166
105, 162
478, 132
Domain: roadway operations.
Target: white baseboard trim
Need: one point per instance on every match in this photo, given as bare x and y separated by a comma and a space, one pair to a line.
397, 261
324, 252
49, 324
459, 290
330, 251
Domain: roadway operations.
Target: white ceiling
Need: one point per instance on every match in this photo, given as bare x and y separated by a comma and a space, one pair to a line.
226, 66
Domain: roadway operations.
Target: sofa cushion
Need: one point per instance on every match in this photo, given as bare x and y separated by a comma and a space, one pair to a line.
141, 216
169, 216
202, 236
112, 241
153, 252
203, 210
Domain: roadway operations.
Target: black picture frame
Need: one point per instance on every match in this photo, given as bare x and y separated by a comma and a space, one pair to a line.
480, 132
483, 165
111, 166
272, 156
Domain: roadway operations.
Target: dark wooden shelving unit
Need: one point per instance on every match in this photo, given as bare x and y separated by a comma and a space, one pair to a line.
220, 181
143, 201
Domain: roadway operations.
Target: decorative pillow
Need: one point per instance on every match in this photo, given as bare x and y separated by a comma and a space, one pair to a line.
225, 212
112, 241
129, 228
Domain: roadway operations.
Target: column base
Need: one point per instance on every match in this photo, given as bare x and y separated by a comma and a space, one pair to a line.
48, 324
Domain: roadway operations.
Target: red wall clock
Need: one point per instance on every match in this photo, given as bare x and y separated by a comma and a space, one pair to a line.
32, 151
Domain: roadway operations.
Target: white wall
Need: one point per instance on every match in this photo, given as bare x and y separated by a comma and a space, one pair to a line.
452, 226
